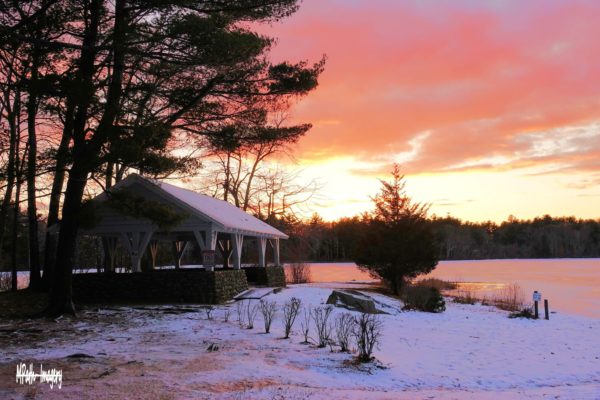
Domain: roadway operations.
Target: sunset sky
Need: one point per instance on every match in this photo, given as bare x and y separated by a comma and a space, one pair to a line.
491, 107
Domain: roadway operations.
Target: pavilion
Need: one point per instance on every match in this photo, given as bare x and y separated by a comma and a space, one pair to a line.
209, 222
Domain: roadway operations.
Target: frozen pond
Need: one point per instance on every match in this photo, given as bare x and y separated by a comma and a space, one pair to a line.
570, 285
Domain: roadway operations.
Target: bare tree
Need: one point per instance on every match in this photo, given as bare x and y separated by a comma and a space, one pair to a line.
250, 177
281, 194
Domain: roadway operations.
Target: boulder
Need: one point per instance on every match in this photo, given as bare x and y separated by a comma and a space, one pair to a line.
355, 301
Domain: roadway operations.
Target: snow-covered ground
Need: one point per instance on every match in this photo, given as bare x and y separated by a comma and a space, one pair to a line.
468, 352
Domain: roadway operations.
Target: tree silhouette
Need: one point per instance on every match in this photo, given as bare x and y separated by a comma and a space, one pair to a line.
397, 243
122, 80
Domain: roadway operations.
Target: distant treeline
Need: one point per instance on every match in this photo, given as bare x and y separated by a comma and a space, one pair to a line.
544, 237
317, 240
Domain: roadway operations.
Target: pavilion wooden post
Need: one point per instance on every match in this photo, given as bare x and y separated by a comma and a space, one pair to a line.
135, 243
237, 241
109, 246
262, 250
225, 250
178, 248
276, 251
153, 252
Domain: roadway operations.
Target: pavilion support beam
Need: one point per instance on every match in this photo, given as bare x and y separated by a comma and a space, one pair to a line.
275, 245
178, 249
153, 247
208, 241
262, 251
136, 243
226, 250
238, 242
109, 247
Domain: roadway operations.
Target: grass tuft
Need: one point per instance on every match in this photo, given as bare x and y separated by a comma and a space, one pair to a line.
466, 297
436, 283
511, 298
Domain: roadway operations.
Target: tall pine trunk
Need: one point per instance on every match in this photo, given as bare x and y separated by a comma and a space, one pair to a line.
14, 238
35, 279
55, 195
61, 299
85, 152
15, 226
10, 168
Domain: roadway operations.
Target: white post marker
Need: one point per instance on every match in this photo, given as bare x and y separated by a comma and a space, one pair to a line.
537, 296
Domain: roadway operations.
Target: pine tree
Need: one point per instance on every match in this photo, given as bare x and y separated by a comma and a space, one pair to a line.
398, 243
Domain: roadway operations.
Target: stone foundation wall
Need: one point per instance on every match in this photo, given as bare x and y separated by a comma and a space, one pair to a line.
269, 276
166, 286
228, 284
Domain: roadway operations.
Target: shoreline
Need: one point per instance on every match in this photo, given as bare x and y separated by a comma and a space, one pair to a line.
162, 352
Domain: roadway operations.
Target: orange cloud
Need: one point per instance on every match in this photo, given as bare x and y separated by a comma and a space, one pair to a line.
480, 77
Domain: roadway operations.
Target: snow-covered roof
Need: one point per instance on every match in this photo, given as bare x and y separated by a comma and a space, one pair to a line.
218, 211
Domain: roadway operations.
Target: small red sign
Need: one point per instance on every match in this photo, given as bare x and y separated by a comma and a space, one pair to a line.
208, 258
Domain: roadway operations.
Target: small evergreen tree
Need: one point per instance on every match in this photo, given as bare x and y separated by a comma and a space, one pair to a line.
398, 243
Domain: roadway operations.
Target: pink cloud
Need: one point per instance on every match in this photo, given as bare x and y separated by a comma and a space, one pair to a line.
477, 75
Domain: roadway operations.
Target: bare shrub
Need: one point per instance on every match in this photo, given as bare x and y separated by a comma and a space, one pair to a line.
331, 342
268, 310
298, 272
367, 332
305, 324
208, 310
5, 281
251, 311
320, 316
344, 326
240, 312
423, 298
526, 312
291, 309
510, 298
226, 315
